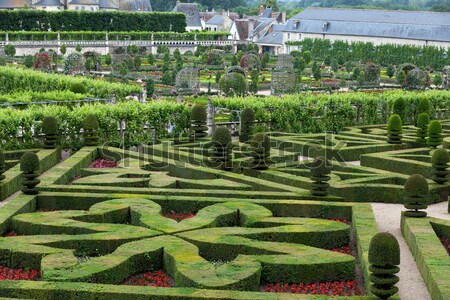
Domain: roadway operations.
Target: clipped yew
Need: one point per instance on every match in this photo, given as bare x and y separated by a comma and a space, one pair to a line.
198, 123
50, 130
434, 134
29, 165
90, 130
260, 151
220, 153
394, 129
247, 121
2, 165
422, 128
416, 196
439, 161
384, 258
320, 169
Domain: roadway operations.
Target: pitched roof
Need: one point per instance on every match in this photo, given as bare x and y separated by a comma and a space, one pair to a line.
215, 20
85, 2
267, 13
191, 12
274, 38
48, 3
5, 4
108, 4
242, 28
261, 24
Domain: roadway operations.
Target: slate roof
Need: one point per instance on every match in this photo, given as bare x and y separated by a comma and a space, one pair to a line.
215, 20
373, 23
49, 3
267, 13
9, 4
274, 38
242, 28
261, 24
108, 4
85, 2
191, 12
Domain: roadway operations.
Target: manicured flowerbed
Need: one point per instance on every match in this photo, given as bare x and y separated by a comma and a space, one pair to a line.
336, 288
343, 249
155, 279
10, 233
18, 274
446, 243
178, 216
103, 163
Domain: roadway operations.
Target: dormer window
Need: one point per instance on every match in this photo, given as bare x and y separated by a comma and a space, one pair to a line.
326, 24
295, 24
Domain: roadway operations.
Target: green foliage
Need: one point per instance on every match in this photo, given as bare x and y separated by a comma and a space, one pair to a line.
307, 57
384, 257
416, 196
317, 73
89, 65
320, 169
10, 50
28, 61
247, 123
108, 59
390, 71
29, 162
434, 134
233, 84
78, 88
2, 165
439, 161
437, 80
150, 86
198, 122
91, 128
63, 49
50, 129
2, 61
400, 109
150, 59
424, 106
334, 65
422, 127
372, 72
78, 48
327, 60
220, 152
394, 129
401, 77
215, 58
260, 151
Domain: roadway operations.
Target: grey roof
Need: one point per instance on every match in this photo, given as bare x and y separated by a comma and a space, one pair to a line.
274, 38
262, 23
49, 3
85, 2
191, 12
108, 4
373, 23
242, 28
9, 4
267, 13
215, 20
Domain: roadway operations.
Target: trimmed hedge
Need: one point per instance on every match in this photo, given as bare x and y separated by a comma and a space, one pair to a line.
416, 196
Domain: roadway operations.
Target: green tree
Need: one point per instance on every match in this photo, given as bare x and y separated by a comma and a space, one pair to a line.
132, 49
166, 62
265, 60
89, 64
137, 63
234, 60
123, 70
437, 80
334, 65
150, 59
63, 49
307, 56
317, 73
150, 87
28, 61
401, 77
10, 50
78, 48
327, 60
254, 76
179, 63
390, 71
272, 4
108, 60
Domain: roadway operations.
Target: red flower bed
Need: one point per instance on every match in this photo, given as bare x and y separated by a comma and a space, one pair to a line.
339, 220
100, 163
343, 249
336, 288
18, 274
156, 279
446, 244
10, 233
178, 216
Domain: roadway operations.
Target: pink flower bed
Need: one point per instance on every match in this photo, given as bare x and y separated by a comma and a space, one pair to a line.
336, 288
178, 216
156, 279
446, 243
18, 274
100, 163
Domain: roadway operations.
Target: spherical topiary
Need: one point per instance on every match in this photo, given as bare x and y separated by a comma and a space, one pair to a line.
384, 258
2, 165
416, 196
220, 151
434, 134
394, 129
247, 121
78, 88
422, 128
29, 165
50, 129
439, 161
260, 150
90, 128
198, 122
320, 169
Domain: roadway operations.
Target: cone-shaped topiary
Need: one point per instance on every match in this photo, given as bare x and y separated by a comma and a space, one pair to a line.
90, 128
29, 165
198, 123
247, 120
394, 129
2, 165
320, 169
434, 134
220, 152
422, 128
50, 129
384, 258
424, 106
78, 88
439, 161
416, 196
260, 150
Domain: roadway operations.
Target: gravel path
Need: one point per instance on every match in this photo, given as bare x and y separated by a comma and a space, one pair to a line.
411, 285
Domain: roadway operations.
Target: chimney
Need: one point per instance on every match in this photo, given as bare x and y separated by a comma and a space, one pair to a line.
261, 9
251, 28
283, 17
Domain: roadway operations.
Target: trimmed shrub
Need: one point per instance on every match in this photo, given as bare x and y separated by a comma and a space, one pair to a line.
233, 84
439, 161
198, 122
434, 134
50, 129
247, 120
29, 165
90, 130
424, 106
220, 153
416, 196
320, 169
78, 88
2, 165
422, 128
400, 108
394, 129
260, 150
384, 258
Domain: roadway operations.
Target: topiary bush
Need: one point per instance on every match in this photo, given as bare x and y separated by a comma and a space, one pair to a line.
384, 258
247, 122
198, 123
260, 150
220, 152
422, 128
439, 161
424, 106
29, 165
50, 129
78, 88
90, 130
434, 134
233, 84
399, 108
2, 165
320, 169
394, 129
416, 196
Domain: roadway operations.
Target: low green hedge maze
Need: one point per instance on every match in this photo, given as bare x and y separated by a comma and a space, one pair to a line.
90, 229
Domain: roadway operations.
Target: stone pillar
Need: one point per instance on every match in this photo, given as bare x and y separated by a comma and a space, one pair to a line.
107, 51
7, 38
112, 99
143, 93
195, 43
210, 118
59, 42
